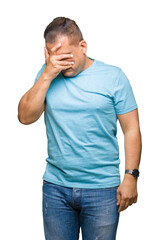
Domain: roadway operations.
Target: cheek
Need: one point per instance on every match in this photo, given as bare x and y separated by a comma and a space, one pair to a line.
76, 65
77, 61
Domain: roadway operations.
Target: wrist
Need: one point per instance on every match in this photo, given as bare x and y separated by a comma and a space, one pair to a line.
130, 177
47, 76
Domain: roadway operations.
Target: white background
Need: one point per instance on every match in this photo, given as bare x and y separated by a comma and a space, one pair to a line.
122, 33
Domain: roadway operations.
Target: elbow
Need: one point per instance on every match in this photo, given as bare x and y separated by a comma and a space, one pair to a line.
26, 120
22, 117
19, 115
26, 115
22, 114
22, 120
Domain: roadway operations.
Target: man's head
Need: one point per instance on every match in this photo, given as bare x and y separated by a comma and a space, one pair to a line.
67, 32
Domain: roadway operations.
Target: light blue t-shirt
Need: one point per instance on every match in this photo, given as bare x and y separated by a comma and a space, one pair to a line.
81, 126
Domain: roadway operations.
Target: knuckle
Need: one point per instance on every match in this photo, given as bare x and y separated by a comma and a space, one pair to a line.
54, 63
131, 197
124, 197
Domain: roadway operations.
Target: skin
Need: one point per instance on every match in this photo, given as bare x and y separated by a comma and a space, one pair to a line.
80, 59
32, 105
57, 59
127, 193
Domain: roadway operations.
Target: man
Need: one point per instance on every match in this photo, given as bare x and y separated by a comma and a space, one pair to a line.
82, 98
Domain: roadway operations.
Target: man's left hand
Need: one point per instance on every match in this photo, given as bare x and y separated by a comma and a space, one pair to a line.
127, 192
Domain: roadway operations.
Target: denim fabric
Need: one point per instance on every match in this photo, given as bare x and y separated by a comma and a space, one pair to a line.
67, 209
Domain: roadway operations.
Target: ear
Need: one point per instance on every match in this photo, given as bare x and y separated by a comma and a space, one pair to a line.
83, 46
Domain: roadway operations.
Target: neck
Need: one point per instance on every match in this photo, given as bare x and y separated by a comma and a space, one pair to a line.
88, 62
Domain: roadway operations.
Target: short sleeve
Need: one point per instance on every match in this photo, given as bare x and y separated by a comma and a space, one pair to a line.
124, 99
39, 73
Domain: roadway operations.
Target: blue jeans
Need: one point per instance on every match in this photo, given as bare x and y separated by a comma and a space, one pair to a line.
66, 209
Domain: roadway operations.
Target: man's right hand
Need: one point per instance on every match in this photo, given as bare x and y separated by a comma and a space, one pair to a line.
54, 64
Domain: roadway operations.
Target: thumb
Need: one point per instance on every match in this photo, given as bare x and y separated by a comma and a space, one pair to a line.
46, 53
118, 197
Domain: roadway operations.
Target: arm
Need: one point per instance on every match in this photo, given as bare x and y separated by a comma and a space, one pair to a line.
127, 191
32, 103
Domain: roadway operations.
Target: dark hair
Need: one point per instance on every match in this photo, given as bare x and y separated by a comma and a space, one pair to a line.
63, 26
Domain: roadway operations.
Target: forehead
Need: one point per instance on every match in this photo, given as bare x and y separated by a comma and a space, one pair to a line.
66, 47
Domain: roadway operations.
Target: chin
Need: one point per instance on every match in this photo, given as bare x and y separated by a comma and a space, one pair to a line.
68, 72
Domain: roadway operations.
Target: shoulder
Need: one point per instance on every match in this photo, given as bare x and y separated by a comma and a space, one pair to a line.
113, 69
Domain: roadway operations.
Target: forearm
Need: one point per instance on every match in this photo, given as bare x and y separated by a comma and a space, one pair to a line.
133, 148
31, 104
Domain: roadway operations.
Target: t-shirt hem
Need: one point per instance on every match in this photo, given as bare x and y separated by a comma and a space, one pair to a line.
80, 185
127, 110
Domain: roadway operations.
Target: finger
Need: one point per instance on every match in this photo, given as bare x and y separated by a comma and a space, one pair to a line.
122, 205
65, 67
55, 48
65, 63
46, 53
132, 200
135, 200
118, 198
128, 203
62, 56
